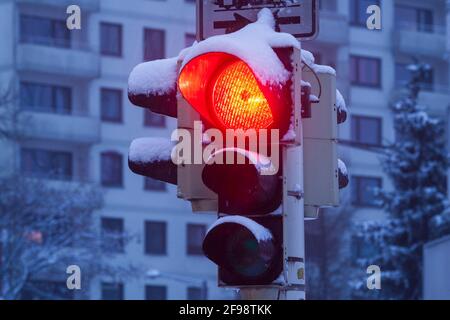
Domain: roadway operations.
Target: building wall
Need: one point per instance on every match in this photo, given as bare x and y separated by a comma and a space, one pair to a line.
436, 261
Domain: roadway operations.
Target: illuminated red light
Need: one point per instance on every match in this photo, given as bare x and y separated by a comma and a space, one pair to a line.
238, 101
224, 90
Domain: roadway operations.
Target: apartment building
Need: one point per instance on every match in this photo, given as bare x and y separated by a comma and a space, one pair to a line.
73, 86
371, 74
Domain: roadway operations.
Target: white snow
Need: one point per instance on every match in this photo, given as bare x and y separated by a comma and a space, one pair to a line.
281, 279
252, 44
305, 84
340, 102
260, 233
150, 149
308, 58
313, 98
153, 77
262, 163
323, 69
342, 167
289, 135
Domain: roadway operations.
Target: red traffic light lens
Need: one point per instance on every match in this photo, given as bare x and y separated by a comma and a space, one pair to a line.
225, 91
238, 101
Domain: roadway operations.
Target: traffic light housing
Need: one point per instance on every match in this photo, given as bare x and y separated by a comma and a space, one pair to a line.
246, 242
252, 241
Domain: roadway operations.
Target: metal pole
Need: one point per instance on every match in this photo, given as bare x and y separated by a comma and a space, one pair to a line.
293, 209
293, 199
293, 224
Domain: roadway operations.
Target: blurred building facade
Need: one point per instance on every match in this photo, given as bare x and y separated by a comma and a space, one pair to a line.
73, 84
371, 70
371, 74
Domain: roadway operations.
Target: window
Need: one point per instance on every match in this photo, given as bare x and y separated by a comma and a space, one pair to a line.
154, 44
112, 291
44, 31
417, 19
47, 164
402, 77
194, 238
366, 130
189, 39
154, 185
111, 39
111, 105
152, 119
155, 293
363, 191
45, 97
195, 293
358, 11
46, 290
112, 234
155, 238
365, 71
111, 169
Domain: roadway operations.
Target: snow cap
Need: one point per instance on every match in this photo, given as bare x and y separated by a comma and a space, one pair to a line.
342, 167
153, 77
147, 150
253, 44
259, 232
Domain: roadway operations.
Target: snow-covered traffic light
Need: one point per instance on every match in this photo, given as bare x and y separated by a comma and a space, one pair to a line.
324, 173
250, 103
255, 143
152, 85
246, 240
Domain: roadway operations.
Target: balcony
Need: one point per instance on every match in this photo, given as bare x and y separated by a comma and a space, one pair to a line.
408, 40
85, 5
333, 28
72, 128
75, 62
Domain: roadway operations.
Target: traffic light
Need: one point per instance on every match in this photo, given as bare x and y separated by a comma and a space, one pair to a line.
267, 150
151, 157
246, 242
324, 173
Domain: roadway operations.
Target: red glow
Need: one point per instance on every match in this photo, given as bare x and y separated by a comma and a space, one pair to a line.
238, 101
224, 90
